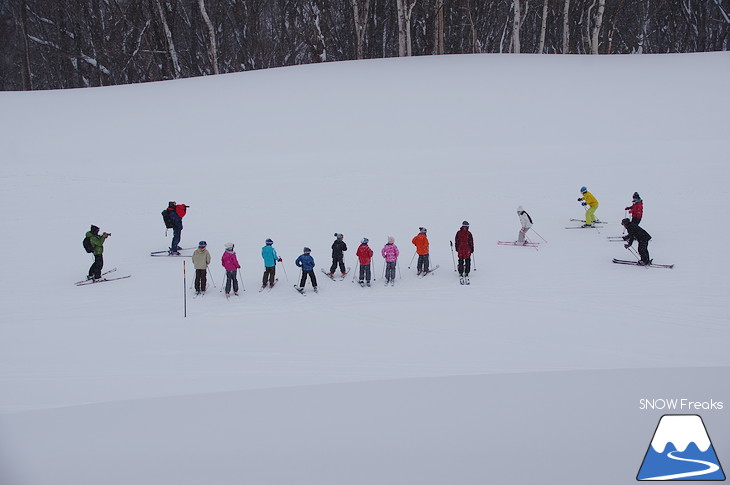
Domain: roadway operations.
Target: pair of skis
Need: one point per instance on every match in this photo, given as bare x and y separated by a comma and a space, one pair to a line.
527, 244
269, 287
423, 274
302, 291
104, 277
334, 277
167, 252
637, 263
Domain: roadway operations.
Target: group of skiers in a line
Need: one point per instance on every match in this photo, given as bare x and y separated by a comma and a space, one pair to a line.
464, 244
201, 260
633, 231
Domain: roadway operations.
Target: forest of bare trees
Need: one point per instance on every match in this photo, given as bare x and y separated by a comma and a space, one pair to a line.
76, 43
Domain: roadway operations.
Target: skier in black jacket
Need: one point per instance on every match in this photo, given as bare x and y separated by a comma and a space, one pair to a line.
338, 256
636, 232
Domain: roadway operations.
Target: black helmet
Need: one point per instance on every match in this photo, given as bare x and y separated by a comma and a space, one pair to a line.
625, 221
465, 223
307, 250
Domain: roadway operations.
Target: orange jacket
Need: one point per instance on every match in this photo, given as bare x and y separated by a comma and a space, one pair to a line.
421, 242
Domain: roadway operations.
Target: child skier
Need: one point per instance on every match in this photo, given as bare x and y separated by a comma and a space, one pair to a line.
636, 232
306, 262
201, 260
464, 242
230, 264
338, 256
270, 258
421, 243
589, 200
636, 209
365, 257
390, 253
526, 222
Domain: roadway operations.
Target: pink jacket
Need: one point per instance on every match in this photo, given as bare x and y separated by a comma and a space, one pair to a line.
390, 253
230, 261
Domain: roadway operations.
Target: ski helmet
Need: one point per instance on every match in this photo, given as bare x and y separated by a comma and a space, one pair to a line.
306, 250
625, 221
465, 223
269, 242
636, 196
228, 246
338, 235
583, 189
365, 240
202, 244
520, 209
171, 204
391, 239
422, 230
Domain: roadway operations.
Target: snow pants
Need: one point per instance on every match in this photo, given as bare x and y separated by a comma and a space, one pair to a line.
201, 279
644, 250
521, 234
464, 266
390, 270
590, 214
176, 234
231, 279
96, 266
309, 273
365, 272
269, 275
338, 261
422, 263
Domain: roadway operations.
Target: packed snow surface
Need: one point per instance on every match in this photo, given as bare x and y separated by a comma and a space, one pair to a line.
537, 372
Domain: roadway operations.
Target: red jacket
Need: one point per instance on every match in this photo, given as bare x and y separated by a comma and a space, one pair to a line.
421, 243
637, 209
364, 254
464, 243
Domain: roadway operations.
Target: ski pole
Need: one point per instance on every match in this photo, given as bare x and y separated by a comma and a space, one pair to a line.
451, 243
399, 273
284, 268
384, 266
533, 230
357, 265
414, 257
239, 274
211, 277
223, 282
185, 293
474, 261
372, 269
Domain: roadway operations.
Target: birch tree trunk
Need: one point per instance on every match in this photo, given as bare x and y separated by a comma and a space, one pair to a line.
566, 27
212, 44
597, 26
405, 9
543, 27
516, 24
26, 72
361, 23
177, 72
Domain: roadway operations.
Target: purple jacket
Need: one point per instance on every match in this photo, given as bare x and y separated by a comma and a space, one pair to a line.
230, 261
390, 253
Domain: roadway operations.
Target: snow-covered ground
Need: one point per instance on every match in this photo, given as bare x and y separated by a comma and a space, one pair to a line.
532, 374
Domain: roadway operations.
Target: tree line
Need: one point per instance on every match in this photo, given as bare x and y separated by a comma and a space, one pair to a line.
78, 43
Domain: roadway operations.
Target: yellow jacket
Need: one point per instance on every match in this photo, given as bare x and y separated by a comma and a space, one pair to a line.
590, 200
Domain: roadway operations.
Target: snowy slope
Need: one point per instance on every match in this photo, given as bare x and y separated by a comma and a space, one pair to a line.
369, 149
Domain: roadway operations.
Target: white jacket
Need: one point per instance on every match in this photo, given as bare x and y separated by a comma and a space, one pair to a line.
525, 220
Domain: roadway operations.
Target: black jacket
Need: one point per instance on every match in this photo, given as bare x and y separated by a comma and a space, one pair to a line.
635, 232
338, 247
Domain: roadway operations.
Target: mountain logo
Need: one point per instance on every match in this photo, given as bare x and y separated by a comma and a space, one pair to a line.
681, 450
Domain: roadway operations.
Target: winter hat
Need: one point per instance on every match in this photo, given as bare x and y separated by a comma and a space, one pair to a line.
269, 242
422, 230
583, 189
636, 195
202, 244
465, 223
171, 204
520, 209
338, 235
625, 221
391, 239
228, 246
306, 250
365, 240
94, 229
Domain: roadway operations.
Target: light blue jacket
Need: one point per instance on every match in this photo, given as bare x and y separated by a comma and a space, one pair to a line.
269, 255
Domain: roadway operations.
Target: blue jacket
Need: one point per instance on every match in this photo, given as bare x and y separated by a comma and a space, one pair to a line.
305, 261
175, 219
269, 255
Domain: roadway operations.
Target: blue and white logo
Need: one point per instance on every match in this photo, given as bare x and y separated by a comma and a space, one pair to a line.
681, 450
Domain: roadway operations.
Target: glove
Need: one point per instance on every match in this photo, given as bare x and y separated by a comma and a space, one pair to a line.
583, 204
279, 260
627, 208
626, 246
580, 198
